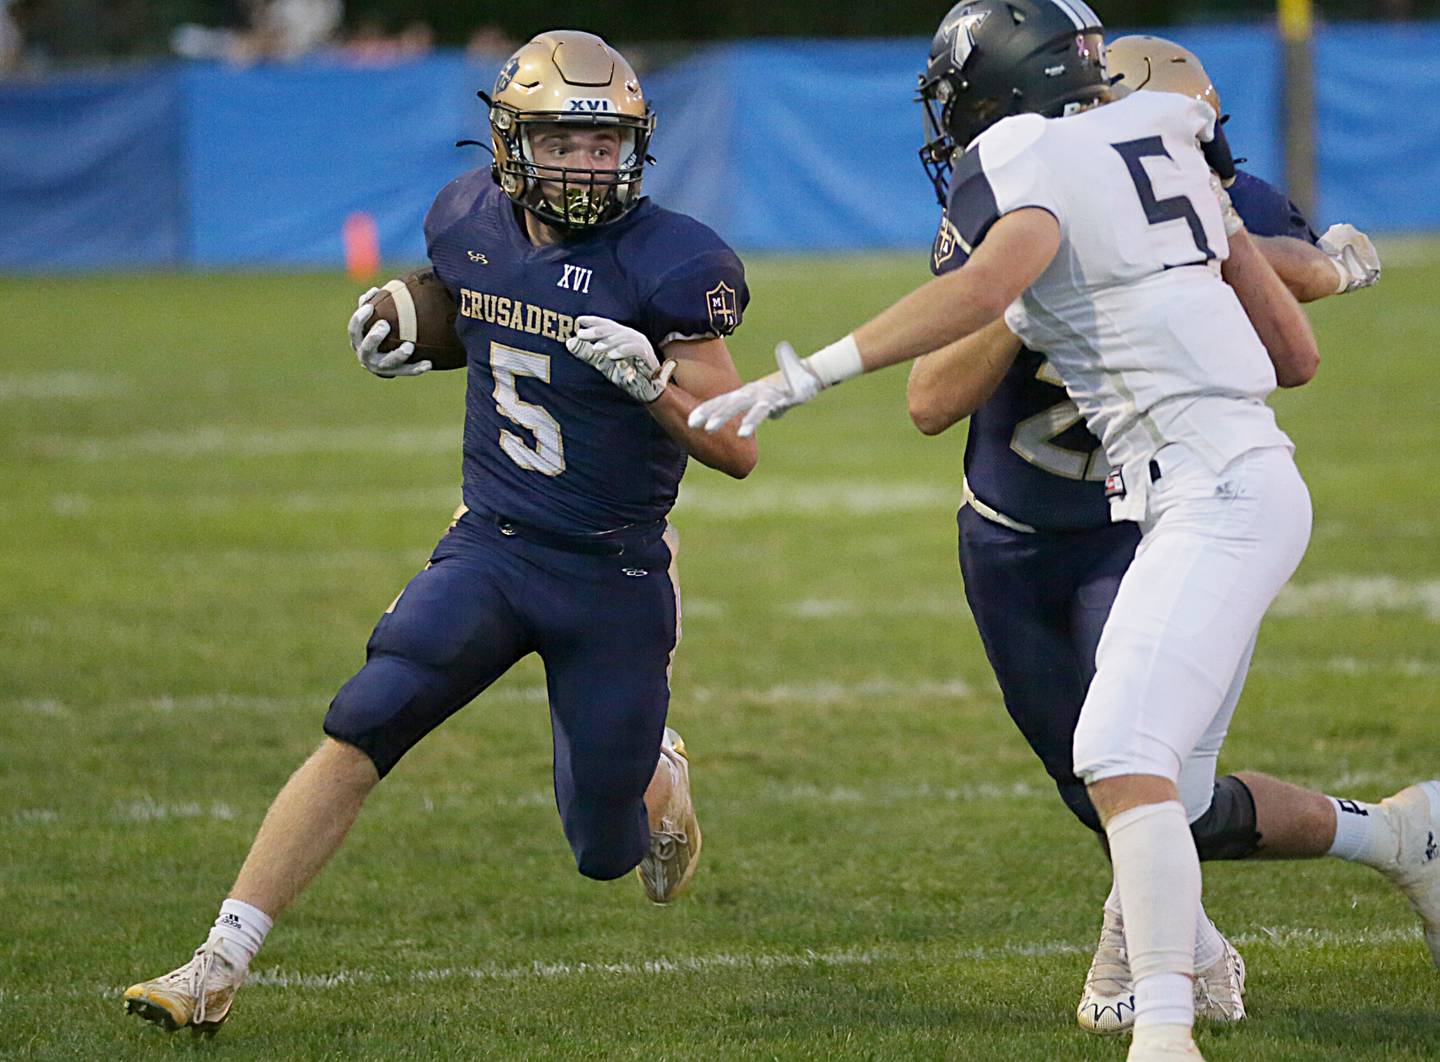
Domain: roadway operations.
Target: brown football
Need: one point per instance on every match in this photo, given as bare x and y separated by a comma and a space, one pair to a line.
420, 311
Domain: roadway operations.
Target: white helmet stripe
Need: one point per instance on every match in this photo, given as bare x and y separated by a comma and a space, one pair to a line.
1079, 13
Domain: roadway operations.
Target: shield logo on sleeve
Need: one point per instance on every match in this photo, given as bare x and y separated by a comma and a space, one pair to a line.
720, 304
944, 247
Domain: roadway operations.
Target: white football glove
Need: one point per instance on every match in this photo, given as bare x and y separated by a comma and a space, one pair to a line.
367, 344
622, 355
1356, 262
761, 399
1228, 213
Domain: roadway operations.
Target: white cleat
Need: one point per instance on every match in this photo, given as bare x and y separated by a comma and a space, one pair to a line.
1220, 988
1107, 1004
1414, 815
668, 866
197, 995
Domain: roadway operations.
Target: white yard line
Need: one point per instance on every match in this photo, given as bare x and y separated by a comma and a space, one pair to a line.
828, 608
1403, 667
1294, 939
823, 693
206, 441
819, 692
147, 809
45, 385
1367, 594
855, 497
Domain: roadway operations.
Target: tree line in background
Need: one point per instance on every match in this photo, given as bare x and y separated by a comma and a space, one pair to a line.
61, 31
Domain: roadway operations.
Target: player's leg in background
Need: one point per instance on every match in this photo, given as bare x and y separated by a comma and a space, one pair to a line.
1399, 837
1020, 587
1217, 551
1250, 815
448, 635
607, 645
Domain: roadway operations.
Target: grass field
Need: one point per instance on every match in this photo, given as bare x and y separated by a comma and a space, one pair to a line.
205, 505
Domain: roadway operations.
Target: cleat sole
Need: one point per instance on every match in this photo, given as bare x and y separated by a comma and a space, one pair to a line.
149, 1010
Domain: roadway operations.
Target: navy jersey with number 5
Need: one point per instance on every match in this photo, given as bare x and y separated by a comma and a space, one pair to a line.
1029, 455
549, 441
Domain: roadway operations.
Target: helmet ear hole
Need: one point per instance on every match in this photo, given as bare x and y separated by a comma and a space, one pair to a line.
1017, 17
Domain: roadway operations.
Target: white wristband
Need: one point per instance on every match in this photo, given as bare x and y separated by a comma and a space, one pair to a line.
839, 361
1342, 272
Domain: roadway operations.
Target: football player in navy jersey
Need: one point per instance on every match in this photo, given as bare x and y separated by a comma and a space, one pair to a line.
1042, 561
593, 322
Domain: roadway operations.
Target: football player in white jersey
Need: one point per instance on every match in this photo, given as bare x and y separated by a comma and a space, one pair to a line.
1096, 233
1042, 561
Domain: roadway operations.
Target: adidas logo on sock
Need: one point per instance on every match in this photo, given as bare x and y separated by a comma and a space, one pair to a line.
231, 921
1431, 849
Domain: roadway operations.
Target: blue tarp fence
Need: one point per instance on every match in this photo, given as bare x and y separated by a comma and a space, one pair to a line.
781, 146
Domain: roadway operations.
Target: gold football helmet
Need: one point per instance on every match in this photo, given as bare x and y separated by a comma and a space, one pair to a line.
1158, 65
567, 77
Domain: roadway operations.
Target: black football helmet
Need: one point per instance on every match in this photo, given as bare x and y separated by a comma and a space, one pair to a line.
993, 58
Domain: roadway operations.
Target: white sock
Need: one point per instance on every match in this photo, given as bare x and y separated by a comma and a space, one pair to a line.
1112, 902
1363, 834
1162, 1034
242, 926
1158, 873
1209, 944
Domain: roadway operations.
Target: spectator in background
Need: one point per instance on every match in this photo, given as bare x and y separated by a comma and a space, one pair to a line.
288, 29
371, 45
12, 41
272, 30
488, 42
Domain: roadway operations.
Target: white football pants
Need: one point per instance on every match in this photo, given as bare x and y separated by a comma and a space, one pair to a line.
1214, 552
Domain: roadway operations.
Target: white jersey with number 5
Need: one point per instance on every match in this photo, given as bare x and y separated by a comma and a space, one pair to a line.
1152, 345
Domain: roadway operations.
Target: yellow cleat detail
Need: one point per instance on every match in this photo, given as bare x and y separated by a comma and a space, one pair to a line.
674, 853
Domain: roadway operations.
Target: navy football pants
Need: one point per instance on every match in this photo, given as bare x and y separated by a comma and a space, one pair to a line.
1040, 602
605, 627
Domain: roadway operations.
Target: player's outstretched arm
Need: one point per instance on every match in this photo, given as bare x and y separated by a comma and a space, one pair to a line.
1307, 271
1276, 315
949, 384
1015, 252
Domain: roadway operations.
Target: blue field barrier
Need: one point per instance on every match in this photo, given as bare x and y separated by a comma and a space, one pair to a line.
781, 146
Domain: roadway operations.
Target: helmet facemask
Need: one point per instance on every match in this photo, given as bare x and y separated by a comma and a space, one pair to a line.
569, 197
937, 154
945, 115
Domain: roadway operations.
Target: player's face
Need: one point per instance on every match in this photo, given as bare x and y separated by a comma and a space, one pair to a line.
576, 148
